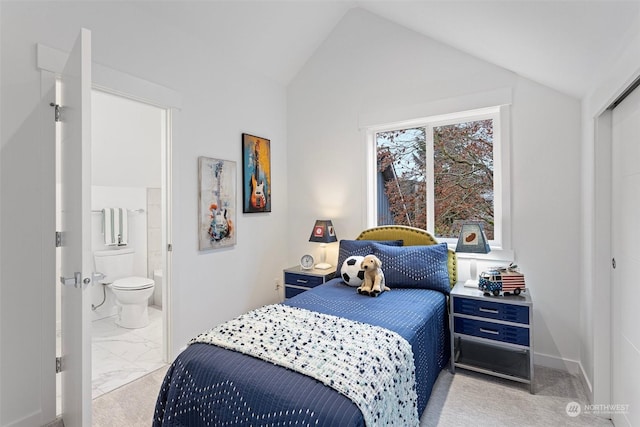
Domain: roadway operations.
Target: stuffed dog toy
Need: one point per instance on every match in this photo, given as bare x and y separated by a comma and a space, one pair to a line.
373, 284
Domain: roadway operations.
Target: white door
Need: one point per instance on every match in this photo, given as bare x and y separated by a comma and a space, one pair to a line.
76, 257
625, 352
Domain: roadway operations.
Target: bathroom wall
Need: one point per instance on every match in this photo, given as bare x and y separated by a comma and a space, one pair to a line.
154, 240
131, 198
126, 144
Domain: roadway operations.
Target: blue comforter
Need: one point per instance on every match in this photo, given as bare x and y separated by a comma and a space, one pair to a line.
208, 385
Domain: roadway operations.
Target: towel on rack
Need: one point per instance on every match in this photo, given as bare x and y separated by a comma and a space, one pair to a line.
115, 226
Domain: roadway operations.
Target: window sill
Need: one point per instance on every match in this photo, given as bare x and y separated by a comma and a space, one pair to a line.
496, 254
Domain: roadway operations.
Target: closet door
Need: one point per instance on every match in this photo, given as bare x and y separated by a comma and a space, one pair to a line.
625, 333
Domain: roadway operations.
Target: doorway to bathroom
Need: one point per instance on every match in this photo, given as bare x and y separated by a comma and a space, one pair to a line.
130, 168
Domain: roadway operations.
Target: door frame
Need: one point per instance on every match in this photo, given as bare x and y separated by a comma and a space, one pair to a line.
166, 198
602, 303
50, 62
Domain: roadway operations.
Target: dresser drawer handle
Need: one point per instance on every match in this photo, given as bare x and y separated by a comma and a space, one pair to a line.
302, 281
488, 310
489, 331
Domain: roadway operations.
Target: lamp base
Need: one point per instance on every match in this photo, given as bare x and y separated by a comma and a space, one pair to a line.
471, 283
323, 266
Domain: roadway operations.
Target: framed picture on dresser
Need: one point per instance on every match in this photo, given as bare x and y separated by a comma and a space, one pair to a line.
256, 174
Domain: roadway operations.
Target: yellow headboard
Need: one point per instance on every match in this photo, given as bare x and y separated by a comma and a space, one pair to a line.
411, 236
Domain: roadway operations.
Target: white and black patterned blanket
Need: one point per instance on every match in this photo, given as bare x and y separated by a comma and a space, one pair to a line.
372, 366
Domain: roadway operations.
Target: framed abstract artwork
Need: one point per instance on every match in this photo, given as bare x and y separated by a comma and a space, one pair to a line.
256, 174
217, 203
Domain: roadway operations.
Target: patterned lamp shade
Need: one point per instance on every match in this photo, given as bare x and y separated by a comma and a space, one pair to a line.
323, 232
472, 239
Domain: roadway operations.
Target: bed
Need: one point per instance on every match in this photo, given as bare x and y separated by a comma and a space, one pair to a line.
237, 381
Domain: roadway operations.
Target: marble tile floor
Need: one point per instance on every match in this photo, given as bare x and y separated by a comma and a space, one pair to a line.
120, 356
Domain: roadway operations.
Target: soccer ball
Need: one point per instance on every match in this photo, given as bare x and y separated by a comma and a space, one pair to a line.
350, 272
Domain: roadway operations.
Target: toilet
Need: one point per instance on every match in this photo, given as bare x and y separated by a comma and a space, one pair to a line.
131, 292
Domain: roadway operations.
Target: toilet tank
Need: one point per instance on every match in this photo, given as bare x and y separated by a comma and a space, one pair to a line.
114, 263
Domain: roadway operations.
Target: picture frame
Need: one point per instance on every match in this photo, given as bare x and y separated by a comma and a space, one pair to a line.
216, 203
256, 174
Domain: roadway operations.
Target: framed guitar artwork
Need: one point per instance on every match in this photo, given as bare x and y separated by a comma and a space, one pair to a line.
217, 203
256, 174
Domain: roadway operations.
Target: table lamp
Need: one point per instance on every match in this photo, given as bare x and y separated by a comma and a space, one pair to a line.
472, 240
323, 233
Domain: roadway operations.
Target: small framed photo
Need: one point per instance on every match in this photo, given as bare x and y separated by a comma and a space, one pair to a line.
256, 174
217, 203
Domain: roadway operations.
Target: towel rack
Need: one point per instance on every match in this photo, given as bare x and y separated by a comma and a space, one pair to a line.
137, 211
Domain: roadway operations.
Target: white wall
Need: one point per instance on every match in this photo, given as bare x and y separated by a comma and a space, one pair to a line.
369, 65
1, 219
126, 138
208, 287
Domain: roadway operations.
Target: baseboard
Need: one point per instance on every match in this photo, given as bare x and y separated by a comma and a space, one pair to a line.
586, 383
554, 362
33, 419
56, 423
573, 367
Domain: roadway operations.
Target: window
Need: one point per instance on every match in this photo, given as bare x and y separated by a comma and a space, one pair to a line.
438, 172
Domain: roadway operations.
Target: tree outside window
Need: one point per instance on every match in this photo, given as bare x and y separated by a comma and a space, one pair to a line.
463, 179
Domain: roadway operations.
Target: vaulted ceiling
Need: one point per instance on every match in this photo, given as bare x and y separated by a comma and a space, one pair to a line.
564, 44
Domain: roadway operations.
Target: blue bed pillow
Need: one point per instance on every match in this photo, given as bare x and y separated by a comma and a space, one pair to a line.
423, 267
361, 248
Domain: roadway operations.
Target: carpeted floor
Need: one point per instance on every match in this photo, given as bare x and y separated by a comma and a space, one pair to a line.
471, 399
464, 399
130, 405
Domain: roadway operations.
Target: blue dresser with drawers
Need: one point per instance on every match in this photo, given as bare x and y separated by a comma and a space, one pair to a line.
492, 335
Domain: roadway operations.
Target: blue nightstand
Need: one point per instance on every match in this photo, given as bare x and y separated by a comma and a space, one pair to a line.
492, 335
298, 280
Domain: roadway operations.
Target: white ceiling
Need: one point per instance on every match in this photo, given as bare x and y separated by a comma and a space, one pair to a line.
564, 44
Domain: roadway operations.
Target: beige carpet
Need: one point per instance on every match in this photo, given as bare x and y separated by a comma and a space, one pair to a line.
465, 399
130, 405
471, 399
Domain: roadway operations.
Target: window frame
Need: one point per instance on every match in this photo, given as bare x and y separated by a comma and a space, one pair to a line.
501, 243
